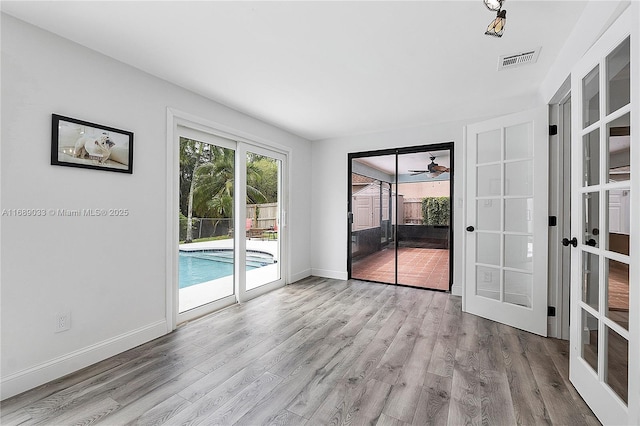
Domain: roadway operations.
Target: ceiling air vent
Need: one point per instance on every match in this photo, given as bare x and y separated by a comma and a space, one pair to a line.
519, 59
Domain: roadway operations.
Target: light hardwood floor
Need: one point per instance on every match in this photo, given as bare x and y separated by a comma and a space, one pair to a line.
322, 352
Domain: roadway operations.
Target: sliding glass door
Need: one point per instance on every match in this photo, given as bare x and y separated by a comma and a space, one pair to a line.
262, 222
230, 247
399, 216
423, 229
372, 231
206, 220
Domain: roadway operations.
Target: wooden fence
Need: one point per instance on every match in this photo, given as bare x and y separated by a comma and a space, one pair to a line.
263, 216
412, 211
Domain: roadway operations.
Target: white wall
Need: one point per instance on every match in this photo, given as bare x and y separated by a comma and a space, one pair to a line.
109, 272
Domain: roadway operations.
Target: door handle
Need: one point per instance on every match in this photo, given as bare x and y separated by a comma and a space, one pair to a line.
470, 228
591, 242
573, 242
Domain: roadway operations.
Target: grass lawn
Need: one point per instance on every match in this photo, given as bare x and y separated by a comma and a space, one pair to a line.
200, 240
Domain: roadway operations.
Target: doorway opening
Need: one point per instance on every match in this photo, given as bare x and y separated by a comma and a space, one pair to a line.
399, 203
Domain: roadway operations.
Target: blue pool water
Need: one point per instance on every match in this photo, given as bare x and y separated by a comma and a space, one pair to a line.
200, 266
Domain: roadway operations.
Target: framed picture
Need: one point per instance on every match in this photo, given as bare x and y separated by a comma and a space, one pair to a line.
77, 143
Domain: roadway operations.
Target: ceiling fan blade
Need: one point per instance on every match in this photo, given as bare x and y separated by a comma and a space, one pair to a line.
418, 171
440, 169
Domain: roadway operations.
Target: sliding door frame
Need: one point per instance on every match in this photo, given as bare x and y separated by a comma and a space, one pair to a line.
397, 152
244, 142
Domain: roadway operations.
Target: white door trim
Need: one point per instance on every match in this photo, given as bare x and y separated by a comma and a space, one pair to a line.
560, 207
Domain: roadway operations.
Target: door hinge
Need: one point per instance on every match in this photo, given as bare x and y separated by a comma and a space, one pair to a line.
553, 129
553, 221
551, 311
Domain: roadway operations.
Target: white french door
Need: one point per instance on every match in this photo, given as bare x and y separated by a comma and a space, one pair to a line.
604, 280
506, 238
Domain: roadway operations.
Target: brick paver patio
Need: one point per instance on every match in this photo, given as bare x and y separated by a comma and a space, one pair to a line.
417, 267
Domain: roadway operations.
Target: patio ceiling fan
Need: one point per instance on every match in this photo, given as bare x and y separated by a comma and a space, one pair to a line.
432, 168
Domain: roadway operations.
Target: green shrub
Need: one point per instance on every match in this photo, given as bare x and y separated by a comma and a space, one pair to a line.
435, 211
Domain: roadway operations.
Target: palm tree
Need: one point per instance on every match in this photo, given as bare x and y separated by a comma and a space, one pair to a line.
207, 180
214, 192
192, 155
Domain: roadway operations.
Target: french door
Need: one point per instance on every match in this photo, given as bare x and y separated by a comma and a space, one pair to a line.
230, 226
604, 280
506, 238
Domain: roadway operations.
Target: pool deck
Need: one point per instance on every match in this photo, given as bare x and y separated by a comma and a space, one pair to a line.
268, 246
199, 294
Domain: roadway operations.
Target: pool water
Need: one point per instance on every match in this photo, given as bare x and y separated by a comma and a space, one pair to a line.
201, 266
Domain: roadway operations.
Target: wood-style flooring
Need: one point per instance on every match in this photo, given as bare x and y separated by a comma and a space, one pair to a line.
322, 352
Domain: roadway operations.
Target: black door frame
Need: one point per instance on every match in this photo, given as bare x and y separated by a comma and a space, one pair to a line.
399, 151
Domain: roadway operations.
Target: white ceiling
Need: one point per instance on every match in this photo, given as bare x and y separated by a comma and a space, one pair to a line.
406, 162
326, 69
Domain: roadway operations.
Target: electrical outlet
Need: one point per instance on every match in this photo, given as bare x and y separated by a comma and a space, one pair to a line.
62, 322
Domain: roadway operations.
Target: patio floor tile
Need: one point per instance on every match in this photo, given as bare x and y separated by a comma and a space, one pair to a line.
417, 267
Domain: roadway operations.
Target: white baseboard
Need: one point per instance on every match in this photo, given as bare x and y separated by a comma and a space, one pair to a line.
326, 273
300, 275
456, 290
29, 378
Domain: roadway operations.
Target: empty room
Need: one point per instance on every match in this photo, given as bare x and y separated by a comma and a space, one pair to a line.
313, 213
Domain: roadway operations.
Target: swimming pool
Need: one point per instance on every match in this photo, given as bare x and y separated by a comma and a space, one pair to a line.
200, 266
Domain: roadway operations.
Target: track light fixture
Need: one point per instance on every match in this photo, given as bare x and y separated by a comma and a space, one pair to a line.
496, 27
494, 5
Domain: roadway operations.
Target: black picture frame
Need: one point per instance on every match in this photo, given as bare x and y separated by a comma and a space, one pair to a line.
78, 143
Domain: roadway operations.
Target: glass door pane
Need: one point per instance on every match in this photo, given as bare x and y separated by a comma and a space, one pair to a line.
618, 64
373, 208
206, 251
263, 207
591, 97
489, 218
423, 192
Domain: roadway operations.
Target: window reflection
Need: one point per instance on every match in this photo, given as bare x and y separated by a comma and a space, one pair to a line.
591, 158
590, 339
617, 374
618, 292
591, 97
619, 149
619, 77
591, 236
